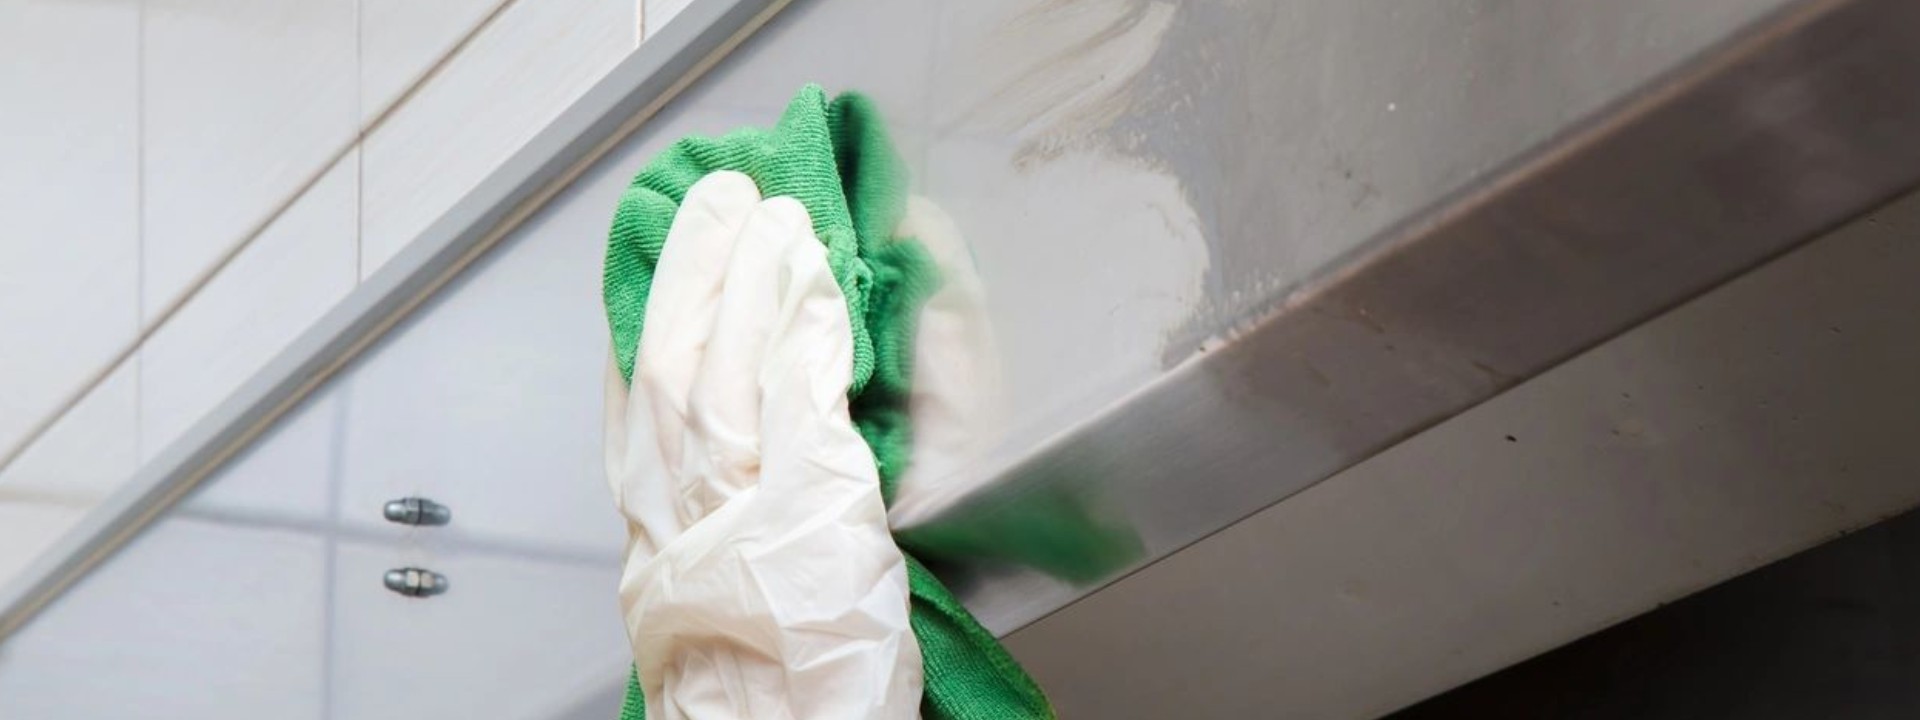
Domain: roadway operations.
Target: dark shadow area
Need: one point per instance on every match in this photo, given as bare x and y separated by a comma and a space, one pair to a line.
1833, 632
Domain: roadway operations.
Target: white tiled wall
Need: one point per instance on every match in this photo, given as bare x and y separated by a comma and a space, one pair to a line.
88, 451
522, 69
401, 40
69, 193
245, 101
281, 283
319, 136
144, 139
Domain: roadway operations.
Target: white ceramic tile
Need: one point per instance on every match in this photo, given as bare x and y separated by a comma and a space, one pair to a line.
194, 620
276, 288
509, 82
69, 252
90, 451
512, 638
400, 40
245, 101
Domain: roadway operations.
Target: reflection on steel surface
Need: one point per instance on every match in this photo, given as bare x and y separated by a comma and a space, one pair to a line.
1799, 123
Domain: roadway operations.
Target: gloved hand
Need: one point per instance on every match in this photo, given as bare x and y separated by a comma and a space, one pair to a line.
760, 579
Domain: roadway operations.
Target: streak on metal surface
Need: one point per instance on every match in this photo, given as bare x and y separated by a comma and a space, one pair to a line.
1800, 122
605, 114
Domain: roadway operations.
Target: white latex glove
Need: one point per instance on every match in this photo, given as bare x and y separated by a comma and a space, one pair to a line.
957, 403
760, 581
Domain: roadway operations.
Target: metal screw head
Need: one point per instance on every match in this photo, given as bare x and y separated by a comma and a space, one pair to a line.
415, 582
417, 511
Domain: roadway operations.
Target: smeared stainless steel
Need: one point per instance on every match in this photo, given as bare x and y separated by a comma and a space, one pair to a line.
1800, 122
1793, 126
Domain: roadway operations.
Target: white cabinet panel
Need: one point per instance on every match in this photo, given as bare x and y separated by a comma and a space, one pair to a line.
512, 638
286, 476
489, 401
194, 620
400, 40
245, 101
516, 75
283, 282
69, 253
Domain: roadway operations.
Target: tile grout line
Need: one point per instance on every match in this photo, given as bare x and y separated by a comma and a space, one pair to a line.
139, 235
450, 543
202, 279
330, 570
330, 562
332, 526
360, 140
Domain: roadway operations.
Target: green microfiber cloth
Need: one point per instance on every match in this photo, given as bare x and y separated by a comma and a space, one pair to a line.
835, 159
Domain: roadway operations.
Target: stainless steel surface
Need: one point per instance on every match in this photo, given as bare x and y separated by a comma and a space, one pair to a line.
1802, 121
415, 582
416, 511
630, 94
1770, 415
